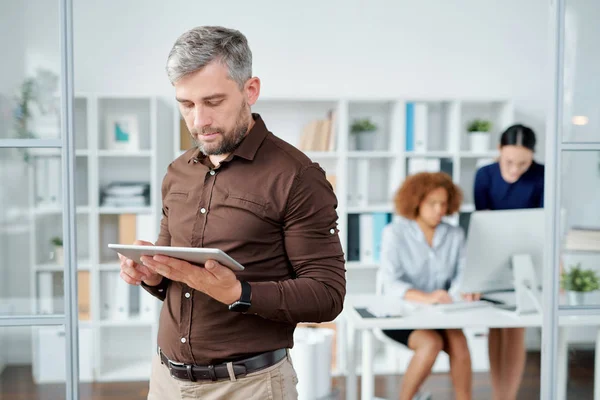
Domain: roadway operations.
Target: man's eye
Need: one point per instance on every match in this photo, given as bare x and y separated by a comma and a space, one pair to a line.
214, 103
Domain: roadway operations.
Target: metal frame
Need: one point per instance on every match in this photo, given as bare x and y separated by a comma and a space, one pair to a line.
555, 147
549, 364
67, 146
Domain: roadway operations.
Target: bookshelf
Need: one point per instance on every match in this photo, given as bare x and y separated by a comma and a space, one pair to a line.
411, 135
118, 322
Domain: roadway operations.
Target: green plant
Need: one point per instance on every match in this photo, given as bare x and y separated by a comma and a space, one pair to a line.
35, 92
57, 241
479, 125
362, 125
579, 280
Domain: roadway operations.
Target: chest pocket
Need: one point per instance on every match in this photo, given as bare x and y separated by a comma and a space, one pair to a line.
180, 211
249, 202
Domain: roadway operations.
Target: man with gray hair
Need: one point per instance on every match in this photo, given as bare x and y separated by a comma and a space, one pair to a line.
225, 334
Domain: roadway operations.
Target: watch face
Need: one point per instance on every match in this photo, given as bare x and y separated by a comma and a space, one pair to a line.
240, 306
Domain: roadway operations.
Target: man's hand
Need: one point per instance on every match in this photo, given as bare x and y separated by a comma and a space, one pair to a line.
439, 297
134, 273
216, 280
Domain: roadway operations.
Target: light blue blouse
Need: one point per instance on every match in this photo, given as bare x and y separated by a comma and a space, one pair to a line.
408, 262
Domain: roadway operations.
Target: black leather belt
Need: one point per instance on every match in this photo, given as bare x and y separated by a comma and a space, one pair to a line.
191, 372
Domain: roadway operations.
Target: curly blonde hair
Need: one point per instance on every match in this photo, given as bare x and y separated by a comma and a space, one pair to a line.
416, 187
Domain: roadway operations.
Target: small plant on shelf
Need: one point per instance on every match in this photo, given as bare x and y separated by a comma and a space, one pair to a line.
57, 241
479, 125
58, 254
578, 281
362, 125
479, 135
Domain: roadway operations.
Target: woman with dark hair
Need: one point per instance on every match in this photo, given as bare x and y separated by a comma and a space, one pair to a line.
516, 181
422, 261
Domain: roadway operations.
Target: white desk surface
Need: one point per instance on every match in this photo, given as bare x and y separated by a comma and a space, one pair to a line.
427, 317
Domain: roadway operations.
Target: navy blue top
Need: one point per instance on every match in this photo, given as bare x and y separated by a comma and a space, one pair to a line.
492, 192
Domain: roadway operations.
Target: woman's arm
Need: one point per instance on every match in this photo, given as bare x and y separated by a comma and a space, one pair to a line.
393, 273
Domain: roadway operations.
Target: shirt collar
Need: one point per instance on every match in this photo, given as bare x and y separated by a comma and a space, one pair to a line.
249, 145
438, 235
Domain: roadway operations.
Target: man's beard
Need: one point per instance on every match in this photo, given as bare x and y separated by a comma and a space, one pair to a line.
230, 140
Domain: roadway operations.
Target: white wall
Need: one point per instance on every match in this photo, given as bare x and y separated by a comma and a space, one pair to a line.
332, 48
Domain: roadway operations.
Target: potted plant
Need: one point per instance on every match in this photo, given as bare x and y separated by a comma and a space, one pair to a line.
361, 130
59, 255
577, 282
479, 135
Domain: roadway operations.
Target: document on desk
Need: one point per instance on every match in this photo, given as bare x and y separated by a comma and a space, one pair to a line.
386, 310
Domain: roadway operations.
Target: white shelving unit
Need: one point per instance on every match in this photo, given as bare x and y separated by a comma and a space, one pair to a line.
367, 172
116, 347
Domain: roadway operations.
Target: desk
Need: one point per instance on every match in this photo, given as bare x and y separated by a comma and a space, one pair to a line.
429, 318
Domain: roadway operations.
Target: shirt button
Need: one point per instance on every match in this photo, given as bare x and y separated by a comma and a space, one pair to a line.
183, 340
203, 210
332, 231
187, 295
212, 172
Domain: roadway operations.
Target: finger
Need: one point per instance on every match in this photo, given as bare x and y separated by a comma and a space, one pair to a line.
163, 269
129, 279
143, 243
130, 269
174, 263
220, 271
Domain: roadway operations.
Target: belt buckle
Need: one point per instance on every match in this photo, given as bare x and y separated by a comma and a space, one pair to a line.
175, 363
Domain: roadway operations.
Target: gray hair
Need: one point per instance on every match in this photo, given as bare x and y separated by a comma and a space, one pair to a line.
202, 45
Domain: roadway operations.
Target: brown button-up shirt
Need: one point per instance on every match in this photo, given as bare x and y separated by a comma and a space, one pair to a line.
270, 208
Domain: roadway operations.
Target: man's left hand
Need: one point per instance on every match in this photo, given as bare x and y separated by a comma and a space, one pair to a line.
215, 279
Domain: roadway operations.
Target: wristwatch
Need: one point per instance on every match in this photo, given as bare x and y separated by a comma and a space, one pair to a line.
243, 304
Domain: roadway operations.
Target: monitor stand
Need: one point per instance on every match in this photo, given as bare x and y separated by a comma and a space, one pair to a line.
528, 294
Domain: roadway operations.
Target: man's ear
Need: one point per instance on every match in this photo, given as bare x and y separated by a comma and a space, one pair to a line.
252, 90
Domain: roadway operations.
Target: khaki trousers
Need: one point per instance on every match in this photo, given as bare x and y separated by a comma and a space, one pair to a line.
277, 382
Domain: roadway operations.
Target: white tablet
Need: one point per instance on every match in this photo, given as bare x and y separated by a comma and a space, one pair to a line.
196, 255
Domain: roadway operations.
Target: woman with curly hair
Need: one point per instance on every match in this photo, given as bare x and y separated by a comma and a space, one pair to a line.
422, 261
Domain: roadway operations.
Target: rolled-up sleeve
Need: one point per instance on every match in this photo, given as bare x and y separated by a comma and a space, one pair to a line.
316, 293
392, 270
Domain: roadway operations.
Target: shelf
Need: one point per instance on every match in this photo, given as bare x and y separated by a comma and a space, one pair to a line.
51, 210
374, 208
82, 265
126, 370
113, 266
54, 151
467, 208
130, 321
361, 265
488, 154
371, 154
125, 210
124, 153
429, 154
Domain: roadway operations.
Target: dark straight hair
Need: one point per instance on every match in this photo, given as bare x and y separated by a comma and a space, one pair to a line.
518, 135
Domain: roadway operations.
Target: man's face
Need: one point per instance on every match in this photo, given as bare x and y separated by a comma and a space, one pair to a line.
216, 111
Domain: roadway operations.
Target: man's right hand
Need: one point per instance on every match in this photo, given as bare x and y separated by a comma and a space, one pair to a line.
439, 297
135, 273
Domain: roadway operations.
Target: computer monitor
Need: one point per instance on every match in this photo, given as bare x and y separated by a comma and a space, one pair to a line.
493, 241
